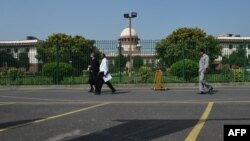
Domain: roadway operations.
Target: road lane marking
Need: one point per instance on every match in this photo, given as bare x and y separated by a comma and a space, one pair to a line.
42, 99
70, 113
65, 135
54, 117
7, 103
197, 128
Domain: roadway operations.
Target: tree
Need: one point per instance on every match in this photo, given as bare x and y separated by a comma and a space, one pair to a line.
65, 48
237, 58
122, 61
184, 43
23, 60
7, 59
137, 62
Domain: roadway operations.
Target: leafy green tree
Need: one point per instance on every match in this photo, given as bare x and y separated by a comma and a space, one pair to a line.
23, 60
237, 58
184, 43
137, 62
123, 61
75, 50
7, 59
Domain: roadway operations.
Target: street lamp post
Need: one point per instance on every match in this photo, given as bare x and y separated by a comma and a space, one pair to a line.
130, 16
120, 53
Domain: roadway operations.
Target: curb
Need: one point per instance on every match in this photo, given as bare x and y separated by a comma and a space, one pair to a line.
125, 86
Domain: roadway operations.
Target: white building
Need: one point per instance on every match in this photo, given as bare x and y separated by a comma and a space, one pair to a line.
28, 46
125, 40
231, 42
136, 48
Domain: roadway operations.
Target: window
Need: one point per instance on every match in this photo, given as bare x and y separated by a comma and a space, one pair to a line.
248, 47
16, 50
230, 46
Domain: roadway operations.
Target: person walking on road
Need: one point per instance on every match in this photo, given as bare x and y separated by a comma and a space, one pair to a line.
93, 71
204, 87
104, 75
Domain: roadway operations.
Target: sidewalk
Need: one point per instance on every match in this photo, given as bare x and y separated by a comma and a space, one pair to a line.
125, 86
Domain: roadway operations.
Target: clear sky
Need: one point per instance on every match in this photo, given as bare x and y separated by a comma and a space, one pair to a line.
103, 19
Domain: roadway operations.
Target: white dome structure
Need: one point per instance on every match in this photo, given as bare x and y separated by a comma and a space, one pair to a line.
128, 41
125, 33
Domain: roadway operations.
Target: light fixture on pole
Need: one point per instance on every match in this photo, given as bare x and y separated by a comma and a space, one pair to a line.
130, 16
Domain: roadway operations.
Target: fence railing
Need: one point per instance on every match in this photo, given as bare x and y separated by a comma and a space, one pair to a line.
22, 67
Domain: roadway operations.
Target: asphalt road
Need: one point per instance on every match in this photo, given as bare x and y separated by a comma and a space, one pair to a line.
130, 115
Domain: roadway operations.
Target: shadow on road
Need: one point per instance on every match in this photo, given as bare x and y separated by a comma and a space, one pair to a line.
117, 92
15, 123
131, 130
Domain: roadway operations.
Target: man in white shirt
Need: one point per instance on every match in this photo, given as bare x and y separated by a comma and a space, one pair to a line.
104, 71
203, 69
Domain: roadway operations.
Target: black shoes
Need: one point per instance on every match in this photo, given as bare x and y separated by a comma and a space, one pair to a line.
113, 91
210, 91
98, 93
91, 90
201, 93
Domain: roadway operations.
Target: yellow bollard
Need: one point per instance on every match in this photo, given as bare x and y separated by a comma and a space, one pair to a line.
158, 81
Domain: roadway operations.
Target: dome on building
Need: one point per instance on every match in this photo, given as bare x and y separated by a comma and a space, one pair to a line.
125, 32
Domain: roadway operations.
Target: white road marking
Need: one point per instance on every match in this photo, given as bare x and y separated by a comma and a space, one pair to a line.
65, 135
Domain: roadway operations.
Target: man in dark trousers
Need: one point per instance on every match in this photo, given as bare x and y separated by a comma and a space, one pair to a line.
104, 71
93, 72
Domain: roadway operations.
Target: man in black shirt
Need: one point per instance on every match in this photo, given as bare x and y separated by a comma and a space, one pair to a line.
93, 71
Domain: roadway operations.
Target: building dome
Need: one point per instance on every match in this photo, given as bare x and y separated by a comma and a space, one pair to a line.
125, 33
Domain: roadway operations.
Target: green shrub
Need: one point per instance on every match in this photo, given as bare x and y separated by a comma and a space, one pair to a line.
228, 75
145, 73
85, 72
238, 75
3, 74
168, 71
113, 68
64, 69
14, 73
188, 69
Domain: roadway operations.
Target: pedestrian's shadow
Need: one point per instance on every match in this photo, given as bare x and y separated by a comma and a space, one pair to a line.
17, 123
215, 91
117, 92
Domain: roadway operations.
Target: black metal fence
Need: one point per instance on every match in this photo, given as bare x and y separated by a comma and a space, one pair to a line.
70, 67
